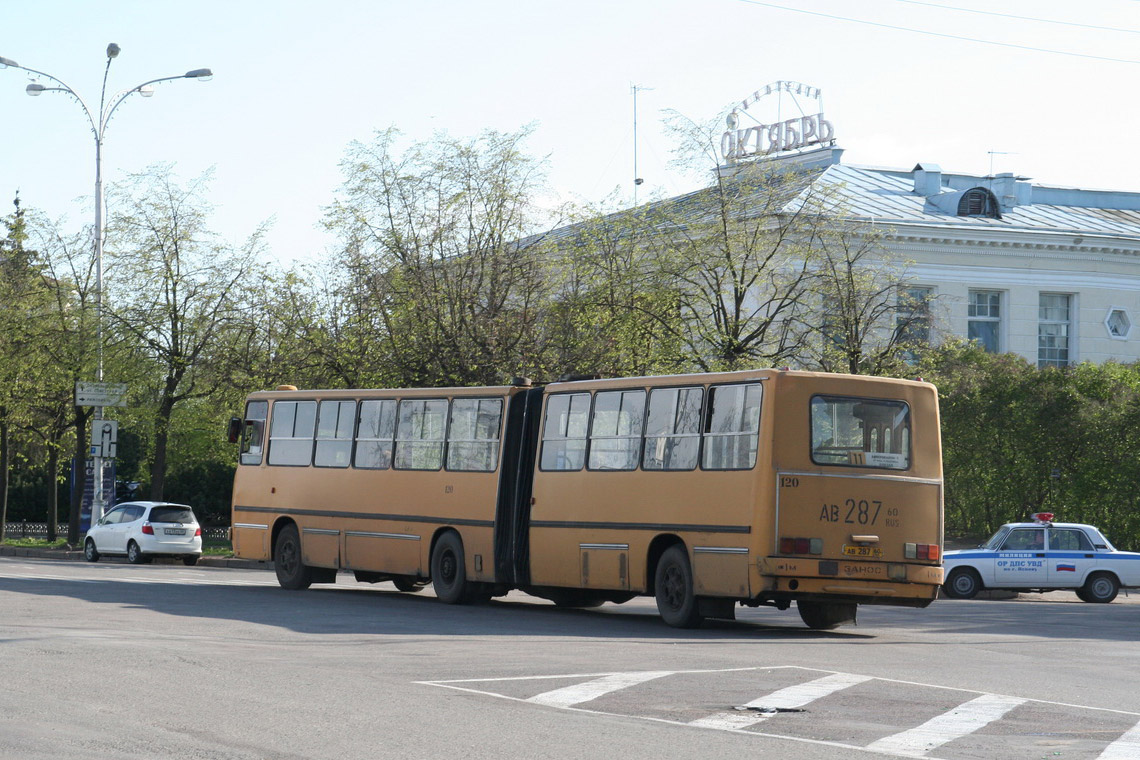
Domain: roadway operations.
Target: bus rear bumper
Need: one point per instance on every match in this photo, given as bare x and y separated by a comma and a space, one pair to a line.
885, 583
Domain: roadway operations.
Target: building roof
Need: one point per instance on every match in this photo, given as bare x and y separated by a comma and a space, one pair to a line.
896, 196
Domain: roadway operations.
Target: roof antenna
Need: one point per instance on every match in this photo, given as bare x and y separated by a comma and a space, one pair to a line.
634, 88
998, 153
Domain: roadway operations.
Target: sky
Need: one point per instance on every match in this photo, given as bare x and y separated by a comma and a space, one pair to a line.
295, 83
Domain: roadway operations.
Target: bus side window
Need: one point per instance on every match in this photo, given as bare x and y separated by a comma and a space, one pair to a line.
291, 433
334, 433
615, 435
375, 432
420, 429
673, 429
732, 427
253, 432
564, 432
473, 435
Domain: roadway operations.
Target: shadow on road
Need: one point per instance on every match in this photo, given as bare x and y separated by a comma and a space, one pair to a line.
352, 608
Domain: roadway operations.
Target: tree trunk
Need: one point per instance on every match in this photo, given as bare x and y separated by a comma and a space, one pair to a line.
53, 491
4, 458
161, 433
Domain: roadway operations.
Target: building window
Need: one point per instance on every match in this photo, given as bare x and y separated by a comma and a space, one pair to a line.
984, 311
1053, 327
912, 324
978, 201
1118, 323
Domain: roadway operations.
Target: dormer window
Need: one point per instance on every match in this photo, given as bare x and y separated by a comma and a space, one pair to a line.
978, 201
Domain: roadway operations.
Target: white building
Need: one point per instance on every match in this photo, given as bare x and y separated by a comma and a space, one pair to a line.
1050, 273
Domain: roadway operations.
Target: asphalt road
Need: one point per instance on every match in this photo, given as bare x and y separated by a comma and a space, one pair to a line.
118, 661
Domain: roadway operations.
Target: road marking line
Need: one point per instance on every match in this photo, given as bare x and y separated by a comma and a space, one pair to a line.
964, 719
584, 692
791, 697
1127, 747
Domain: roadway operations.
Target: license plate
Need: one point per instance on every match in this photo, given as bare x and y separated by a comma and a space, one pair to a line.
174, 531
863, 551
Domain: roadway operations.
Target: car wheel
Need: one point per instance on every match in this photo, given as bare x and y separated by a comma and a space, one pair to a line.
673, 587
1100, 588
824, 616
135, 555
90, 553
190, 561
963, 583
292, 572
448, 571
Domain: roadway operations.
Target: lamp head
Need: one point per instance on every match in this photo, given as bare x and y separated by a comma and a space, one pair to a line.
34, 89
146, 91
6, 62
202, 75
112, 50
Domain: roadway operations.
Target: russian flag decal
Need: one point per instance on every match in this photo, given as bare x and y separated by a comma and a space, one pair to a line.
1066, 568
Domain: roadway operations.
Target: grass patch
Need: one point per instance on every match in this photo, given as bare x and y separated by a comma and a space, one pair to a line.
36, 543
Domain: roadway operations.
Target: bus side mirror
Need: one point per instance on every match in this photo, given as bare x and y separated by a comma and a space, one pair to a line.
234, 430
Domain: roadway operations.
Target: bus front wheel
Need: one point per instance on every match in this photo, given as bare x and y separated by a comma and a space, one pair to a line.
824, 616
292, 572
673, 584
448, 571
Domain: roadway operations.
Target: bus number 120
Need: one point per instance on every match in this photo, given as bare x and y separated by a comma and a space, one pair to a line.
861, 512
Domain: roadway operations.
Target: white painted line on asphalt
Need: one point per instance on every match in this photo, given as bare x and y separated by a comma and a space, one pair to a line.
584, 692
788, 698
1127, 747
962, 720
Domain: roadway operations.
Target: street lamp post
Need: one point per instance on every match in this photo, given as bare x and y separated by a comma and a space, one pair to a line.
99, 121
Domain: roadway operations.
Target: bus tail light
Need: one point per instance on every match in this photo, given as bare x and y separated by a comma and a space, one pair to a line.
932, 552
801, 545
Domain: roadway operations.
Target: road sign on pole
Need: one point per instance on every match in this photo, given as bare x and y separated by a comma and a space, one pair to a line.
104, 439
100, 394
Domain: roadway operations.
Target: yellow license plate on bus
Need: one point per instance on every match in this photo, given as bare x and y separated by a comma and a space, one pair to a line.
863, 551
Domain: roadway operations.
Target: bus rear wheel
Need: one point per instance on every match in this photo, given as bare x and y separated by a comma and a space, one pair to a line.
407, 584
824, 616
673, 586
292, 572
448, 571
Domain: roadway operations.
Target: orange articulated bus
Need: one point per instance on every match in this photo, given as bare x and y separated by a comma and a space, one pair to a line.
761, 487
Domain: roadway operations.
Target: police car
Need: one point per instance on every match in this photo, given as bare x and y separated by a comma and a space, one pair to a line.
1042, 556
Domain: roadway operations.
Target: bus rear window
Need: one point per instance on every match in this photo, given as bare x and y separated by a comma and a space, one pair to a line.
860, 432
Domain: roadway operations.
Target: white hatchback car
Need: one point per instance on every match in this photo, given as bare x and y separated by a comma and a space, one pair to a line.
1042, 556
145, 529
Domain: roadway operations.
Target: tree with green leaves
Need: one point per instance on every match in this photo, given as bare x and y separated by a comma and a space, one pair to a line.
179, 299
443, 276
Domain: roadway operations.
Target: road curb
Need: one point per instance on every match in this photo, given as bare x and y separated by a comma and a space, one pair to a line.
70, 554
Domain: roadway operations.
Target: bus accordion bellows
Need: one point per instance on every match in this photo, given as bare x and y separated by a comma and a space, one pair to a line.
705, 491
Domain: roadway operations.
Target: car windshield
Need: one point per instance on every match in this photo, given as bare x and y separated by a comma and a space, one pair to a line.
995, 540
171, 514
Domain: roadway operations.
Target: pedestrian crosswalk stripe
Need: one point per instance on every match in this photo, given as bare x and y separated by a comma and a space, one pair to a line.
1127, 747
584, 692
791, 697
961, 721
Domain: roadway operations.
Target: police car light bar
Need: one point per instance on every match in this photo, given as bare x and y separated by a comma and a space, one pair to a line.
1044, 518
